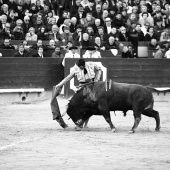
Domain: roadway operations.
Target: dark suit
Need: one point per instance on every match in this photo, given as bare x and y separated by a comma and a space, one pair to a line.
3, 46
17, 54
38, 56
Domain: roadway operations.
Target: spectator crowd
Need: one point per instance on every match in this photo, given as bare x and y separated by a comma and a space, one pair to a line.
97, 25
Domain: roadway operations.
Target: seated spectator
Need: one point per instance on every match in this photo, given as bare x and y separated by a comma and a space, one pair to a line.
104, 15
31, 36
71, 54
160, 52
153, 44
114, 33
97, 13
20, 11
12, 5
40, 52
164, 36
12, 18
98, 45
38, 23
85, 3
91, 52
6, 45
48, 17
77, 10
85, 41
51, 45
26, 24
123, 35
6, 32
61, 19
19, 23
26, 46
96, 25
145, 28
42, 34
130, 53
49, 25
78, 34
89, 20
118, 21
57, 53
132, 19
159, 27
39, 43
68, 46
66, 35
67, 23
90, 31
21, 51
167, 54
3, 21
33, 9
27, 4
108, 26
103, 36
18, 33
124, 16
54, 34
73, 25
4, 10
150, 34
113, 44
136, 34
145, 18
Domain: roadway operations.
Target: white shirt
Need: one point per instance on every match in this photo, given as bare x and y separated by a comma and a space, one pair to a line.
109, 28
70, 55
41, 55
167, 54
95, 54
76, 71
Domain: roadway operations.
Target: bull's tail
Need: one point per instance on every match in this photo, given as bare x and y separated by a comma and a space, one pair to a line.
155, 114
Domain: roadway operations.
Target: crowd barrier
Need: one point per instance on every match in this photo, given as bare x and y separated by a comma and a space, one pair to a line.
45, 73
143, 50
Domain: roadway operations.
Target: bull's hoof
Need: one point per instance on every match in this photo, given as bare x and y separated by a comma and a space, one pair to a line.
113, 130
78, 128
131, 131
157, 129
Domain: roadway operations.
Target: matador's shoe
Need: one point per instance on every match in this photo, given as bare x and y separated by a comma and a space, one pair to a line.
61, 122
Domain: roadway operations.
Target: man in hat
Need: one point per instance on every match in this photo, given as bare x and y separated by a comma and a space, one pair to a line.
71, 54
108, 25
85, 72
91, 52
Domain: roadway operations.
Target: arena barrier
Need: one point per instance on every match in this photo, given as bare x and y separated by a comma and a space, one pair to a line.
149, 72
37, 73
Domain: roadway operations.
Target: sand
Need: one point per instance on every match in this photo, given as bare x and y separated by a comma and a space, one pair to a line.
30, 139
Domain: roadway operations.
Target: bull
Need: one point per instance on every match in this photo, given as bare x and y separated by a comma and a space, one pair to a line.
99, 98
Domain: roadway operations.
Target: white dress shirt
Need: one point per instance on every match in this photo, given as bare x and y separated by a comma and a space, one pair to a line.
70, 55
95, 54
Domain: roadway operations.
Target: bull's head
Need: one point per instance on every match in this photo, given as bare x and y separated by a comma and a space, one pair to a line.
81, 103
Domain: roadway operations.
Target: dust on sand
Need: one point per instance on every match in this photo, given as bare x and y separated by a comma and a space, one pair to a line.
30, 139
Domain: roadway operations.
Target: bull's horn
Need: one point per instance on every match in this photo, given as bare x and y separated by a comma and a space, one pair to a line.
106, 84
110, 84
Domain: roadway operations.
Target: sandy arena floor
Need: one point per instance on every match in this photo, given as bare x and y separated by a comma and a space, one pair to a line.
31, 140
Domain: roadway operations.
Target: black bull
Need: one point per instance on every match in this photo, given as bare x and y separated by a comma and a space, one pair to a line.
96, 99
